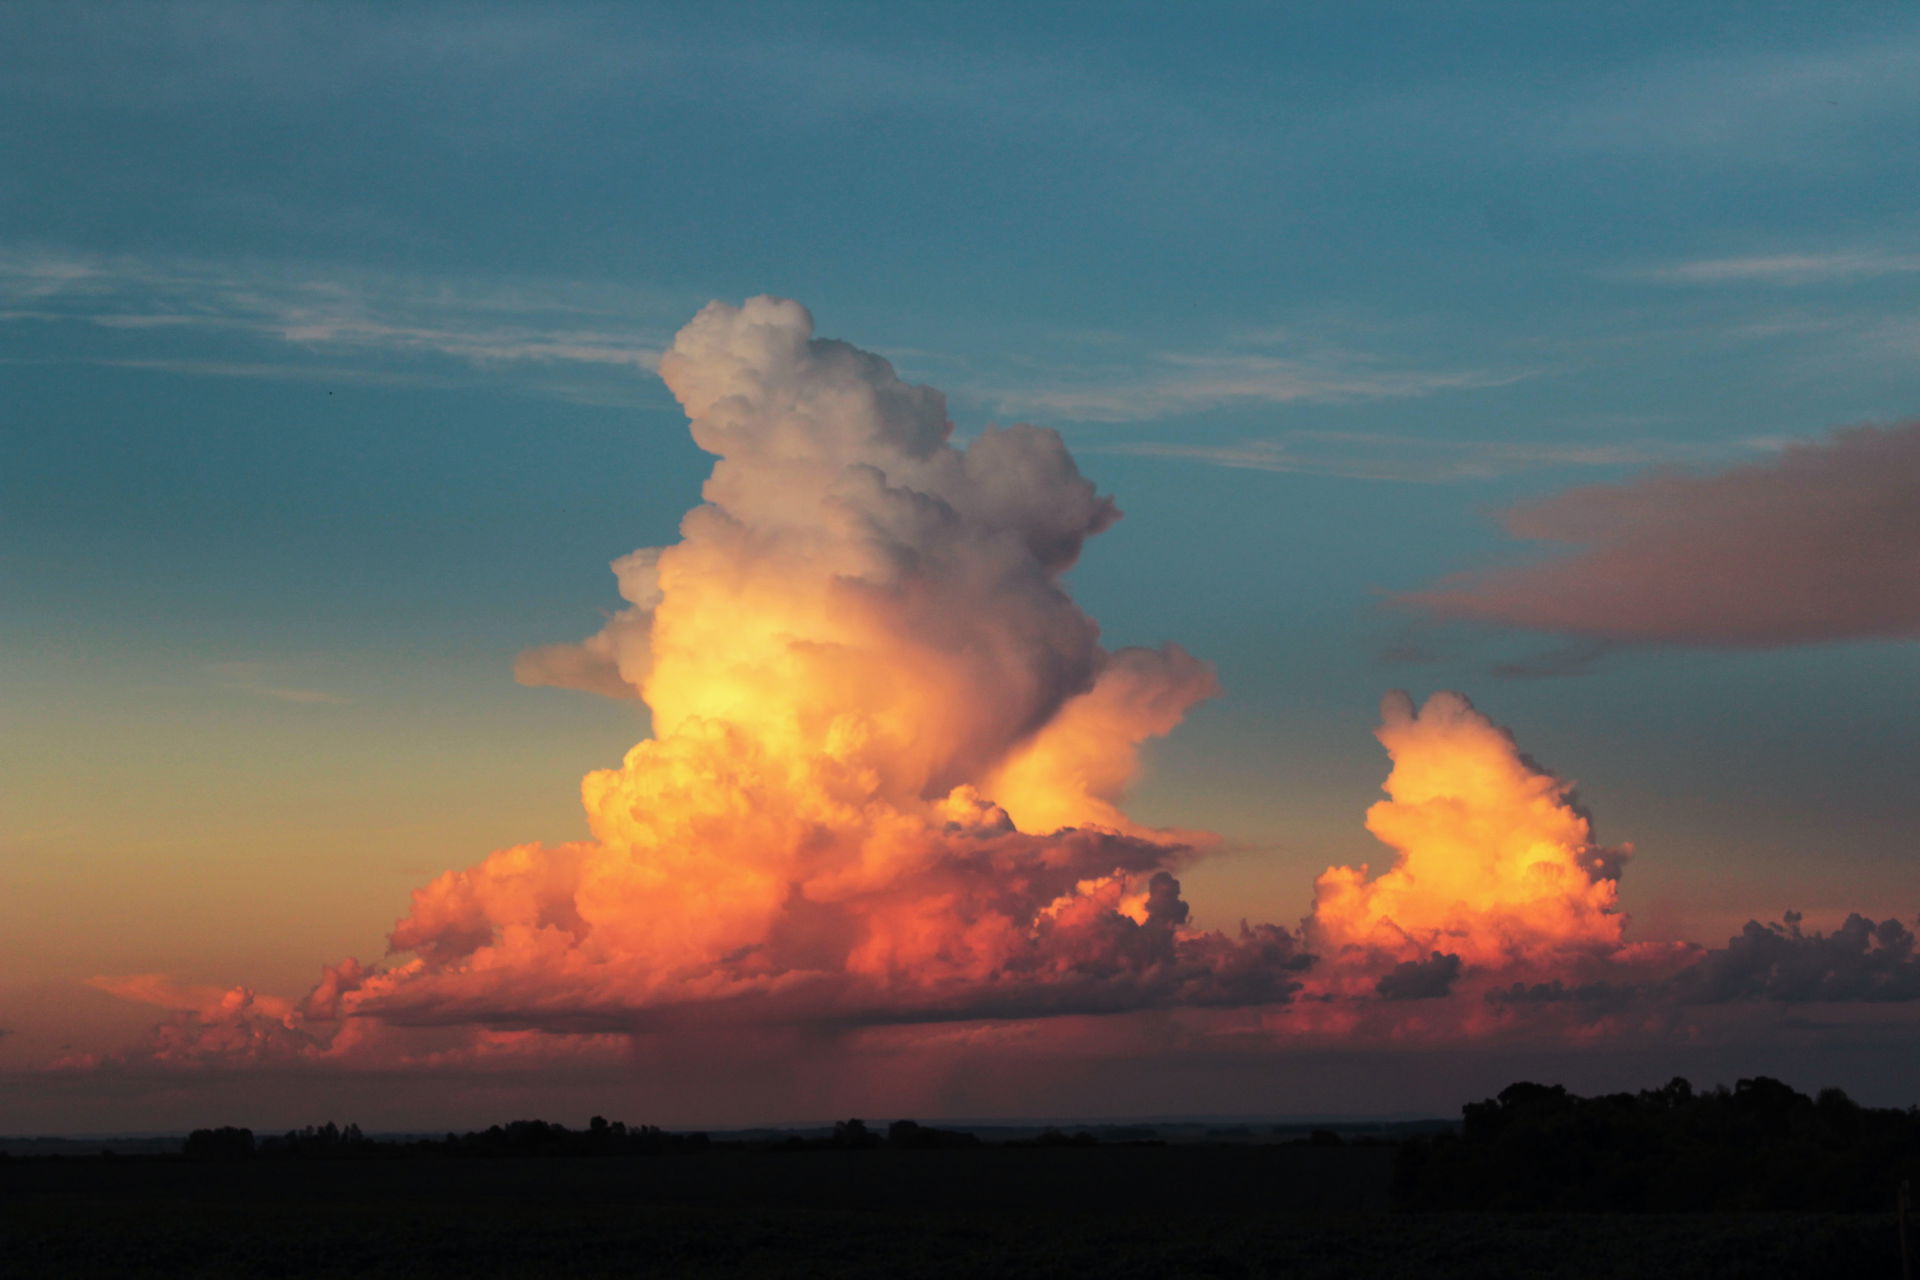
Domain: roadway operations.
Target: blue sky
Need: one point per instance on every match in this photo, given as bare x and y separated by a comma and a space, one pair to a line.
326, 337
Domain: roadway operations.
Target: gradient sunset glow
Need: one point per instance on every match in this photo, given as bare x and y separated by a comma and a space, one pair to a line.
569, 560
885, 786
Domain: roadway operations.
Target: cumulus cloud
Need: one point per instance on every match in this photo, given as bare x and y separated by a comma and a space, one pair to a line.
1495, 863
208, 1026
1816, 544
616, 659
1862, 960
888, 754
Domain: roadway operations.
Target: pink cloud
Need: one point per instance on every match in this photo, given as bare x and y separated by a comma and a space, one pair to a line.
1819, 543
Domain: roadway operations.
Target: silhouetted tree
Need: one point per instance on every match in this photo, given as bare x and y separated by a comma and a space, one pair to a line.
224, 1143
914, 1136
1055, 1138
854, 1133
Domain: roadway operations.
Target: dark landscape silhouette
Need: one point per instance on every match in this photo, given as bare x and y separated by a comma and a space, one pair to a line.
1753, 1179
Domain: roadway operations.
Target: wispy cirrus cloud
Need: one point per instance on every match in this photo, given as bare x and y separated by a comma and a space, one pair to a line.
255, 317
489, 72
1182, 383
1754, 105
486, 345
261, 679
1787, 268
1372, 455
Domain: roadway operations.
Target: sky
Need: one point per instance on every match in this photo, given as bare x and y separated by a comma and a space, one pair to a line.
1558, 360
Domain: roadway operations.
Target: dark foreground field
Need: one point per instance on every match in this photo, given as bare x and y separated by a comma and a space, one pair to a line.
1111, 1211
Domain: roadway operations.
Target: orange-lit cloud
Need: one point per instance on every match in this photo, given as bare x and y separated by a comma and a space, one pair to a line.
885, 787
1816, 544
888, 748
1494, 862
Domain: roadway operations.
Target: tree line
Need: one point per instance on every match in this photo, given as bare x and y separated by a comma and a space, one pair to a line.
1759, 1145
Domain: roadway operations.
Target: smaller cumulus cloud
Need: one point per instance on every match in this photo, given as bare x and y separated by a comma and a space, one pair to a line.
1495, 860
1818, 543
205, 1026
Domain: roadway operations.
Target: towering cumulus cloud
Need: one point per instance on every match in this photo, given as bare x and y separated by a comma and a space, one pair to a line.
887, 752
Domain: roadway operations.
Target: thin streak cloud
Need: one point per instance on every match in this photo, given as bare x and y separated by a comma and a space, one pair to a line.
1362, 455
1788, 268
1752, 106
1187, 383
355, 316
258, 678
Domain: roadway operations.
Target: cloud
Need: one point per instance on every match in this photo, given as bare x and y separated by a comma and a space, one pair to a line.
336, 374
1573, 659
886, 789
160, 990
351, 318
1788, 268
1862, 960
1606, 995
888, 745
1495, 862
1367, 455
486, 76
1189, 383
1815, 544
616, 660
257, 678
889, 751
208, 1026
1811, 103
